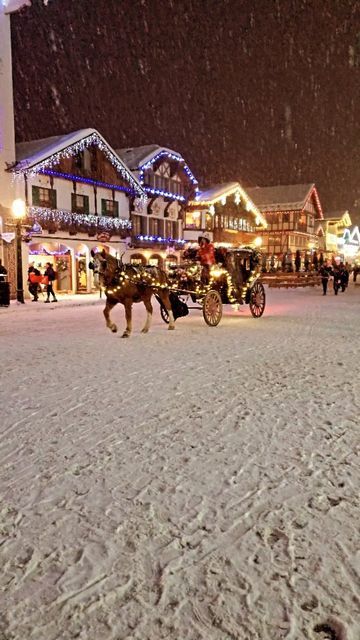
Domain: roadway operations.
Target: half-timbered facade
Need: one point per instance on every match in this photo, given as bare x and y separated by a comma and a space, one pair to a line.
77, 193
157, 224
226, 211
291, 212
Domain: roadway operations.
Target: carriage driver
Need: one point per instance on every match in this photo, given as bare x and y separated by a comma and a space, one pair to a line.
206, 255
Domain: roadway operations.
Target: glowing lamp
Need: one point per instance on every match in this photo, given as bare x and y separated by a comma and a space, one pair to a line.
18, 208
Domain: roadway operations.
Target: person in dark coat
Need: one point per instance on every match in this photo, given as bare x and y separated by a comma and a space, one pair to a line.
321, 259
297, 261
306, 262
3, 272
51, 276
325, 273
344, 276
315, 261
33, 286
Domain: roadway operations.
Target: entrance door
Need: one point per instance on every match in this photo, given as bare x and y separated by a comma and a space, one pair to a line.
81, 277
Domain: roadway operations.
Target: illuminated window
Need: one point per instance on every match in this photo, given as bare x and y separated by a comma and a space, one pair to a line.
193, 220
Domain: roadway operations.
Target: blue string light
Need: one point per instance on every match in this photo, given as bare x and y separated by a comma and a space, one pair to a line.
160, 239
97, 183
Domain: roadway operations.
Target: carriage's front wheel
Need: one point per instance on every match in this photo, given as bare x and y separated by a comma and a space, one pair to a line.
257, 300
164, 314
212, 308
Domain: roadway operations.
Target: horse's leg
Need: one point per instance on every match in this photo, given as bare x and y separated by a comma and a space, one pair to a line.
167, 304
149, 309
108, 307
128, 306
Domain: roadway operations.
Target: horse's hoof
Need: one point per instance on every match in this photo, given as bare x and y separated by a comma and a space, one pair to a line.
171, 327
114, 328
144, 330
125, 335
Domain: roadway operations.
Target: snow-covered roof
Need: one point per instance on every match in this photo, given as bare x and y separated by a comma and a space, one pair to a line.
217, 192
290, 196
36, 155
338, 216
136, 157
214, 194
30, 153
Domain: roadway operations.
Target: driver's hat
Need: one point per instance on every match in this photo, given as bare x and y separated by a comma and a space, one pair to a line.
204, 236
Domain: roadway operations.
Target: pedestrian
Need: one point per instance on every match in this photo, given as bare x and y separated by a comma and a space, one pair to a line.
337, 276
325, 273
306, 262
3, 272
315, 261
51, 276
344, 276
33, 283
272, 263
321, 259
297, 261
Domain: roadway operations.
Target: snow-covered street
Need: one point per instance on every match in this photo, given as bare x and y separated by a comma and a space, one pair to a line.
201, 484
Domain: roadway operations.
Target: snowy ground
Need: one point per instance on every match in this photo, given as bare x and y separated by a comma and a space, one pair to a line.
201, 484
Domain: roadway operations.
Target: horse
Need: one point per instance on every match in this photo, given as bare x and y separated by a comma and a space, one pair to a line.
127, 283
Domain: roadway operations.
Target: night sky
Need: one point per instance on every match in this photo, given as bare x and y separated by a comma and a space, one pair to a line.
263, 91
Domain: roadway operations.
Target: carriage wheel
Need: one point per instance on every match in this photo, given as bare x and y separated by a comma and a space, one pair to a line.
257, 300
212, 308
164, 314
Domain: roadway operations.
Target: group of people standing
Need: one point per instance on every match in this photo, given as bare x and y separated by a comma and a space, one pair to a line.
34, 282
335, 271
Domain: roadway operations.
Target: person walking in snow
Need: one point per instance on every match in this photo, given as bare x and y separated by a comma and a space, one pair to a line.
325, 273
297, 261
51, 276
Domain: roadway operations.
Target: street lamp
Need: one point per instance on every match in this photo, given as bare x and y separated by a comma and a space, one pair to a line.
18, 208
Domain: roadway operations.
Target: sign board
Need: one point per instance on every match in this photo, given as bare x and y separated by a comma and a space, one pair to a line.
103, 237
8, 237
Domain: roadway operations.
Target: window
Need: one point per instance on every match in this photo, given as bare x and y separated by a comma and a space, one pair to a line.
44, 197
154, 227
155, 260
109, 208
193, 220
79, 203
137, 259
286, 217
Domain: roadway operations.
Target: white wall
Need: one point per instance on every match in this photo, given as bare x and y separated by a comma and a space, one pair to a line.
7, 133
64, 189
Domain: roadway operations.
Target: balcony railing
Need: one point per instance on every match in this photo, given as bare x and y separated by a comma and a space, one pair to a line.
56, 219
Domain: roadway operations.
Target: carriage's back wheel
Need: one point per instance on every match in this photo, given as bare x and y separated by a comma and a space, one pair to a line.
164, 314
257, 300
212, 308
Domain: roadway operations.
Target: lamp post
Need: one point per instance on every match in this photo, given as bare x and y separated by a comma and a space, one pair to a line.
19, 209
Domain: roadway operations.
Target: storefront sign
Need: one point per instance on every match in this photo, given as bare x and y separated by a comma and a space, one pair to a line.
8, 237
103, 237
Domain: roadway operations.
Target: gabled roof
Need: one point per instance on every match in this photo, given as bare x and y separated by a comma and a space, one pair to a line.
215, 194
135, 157
37, 155
283, 197
141, 158
338, 217
212, 195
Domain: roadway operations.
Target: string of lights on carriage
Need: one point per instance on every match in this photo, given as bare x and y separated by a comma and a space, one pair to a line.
216, 273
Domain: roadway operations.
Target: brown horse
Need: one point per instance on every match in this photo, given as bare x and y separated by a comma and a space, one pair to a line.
126, 283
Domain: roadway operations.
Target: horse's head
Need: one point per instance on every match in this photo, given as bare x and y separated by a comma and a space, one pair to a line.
105, 265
